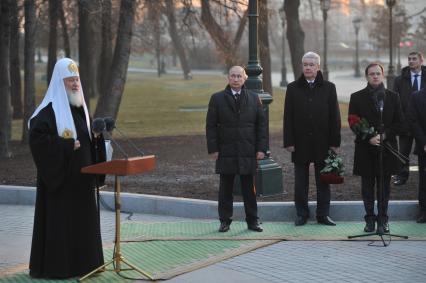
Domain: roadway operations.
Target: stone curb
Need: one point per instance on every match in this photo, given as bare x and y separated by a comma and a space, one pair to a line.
206, 209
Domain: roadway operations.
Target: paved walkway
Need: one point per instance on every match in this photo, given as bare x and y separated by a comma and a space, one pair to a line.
290, 261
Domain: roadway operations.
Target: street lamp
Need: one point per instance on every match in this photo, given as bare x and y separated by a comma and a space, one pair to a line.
283, 82
400, 19
391, 73
325, 6
269, 176
357, 25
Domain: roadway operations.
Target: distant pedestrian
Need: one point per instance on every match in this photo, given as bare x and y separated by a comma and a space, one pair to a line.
236, 139
311, 128
412, 78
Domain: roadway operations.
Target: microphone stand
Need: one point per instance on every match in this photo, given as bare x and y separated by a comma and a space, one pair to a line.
380, 189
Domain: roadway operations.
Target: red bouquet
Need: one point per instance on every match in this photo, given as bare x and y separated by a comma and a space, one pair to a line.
361, 127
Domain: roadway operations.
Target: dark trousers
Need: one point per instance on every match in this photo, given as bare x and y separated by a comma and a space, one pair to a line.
405, 145
226, 198
422, 183
301, 190
367, 192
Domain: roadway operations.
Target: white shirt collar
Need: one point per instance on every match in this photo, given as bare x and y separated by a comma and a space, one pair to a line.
235, 92
413, 74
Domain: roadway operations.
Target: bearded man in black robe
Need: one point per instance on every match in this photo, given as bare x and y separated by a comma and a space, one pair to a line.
66, 237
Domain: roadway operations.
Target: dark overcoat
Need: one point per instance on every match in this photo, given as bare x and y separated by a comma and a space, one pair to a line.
311, 119
403, 87
416, 115
66, 235
236, 130
366, 155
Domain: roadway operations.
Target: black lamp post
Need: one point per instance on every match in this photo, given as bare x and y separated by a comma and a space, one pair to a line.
325, 6
283, 82
391, 73
357, 25
400, 20
269, 173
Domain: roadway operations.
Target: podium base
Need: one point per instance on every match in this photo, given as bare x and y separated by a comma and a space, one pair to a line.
117, 268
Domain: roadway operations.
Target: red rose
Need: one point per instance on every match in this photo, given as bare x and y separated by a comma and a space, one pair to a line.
353, 120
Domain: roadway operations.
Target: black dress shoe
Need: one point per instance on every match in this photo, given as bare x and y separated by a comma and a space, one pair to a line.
254, 227
300, 220
386, 227
370, 226
326, 220
421, 218
399, 181
224, 227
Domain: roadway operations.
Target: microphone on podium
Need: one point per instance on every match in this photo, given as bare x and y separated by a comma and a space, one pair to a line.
110, 126
99, 126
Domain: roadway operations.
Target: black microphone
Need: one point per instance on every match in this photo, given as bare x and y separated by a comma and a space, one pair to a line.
98, 126
110, 125
381, 100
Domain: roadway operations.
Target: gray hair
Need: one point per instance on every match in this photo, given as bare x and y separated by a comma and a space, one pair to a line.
312, 55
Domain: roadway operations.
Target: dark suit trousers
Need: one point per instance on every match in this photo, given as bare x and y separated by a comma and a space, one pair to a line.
367, 192
405, 145
301, 190
422, 183
226, 197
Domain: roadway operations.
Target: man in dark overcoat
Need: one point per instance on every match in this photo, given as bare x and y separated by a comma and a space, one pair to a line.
311, 128
417, 120
236, 138
368, 104
412, 78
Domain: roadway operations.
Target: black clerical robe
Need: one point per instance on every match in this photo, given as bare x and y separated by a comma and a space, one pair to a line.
66, 237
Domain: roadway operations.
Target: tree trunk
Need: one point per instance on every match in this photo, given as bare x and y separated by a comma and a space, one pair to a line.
180, 50
65, 36
264, 51
106, 49
29, 65
53, 37
226, 46
295, 35
5, 107
89, 45
110, 104
15, 69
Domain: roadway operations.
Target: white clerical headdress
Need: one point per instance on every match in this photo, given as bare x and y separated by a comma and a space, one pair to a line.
56, 93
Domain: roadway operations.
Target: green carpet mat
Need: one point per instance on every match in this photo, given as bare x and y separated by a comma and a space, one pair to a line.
164, 250
272, 230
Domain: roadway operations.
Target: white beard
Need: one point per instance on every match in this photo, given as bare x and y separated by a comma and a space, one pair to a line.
75, 98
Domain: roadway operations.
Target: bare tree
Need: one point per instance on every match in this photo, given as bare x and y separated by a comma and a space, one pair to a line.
15, 67
89, 45
29, 65
106, 46
379, 27
154, 15
264, 50
179, 49
65, 37
224, 43
295, 35
53, 37
109, 104
5, 106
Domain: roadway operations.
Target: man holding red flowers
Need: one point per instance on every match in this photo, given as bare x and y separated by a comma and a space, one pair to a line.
367, 108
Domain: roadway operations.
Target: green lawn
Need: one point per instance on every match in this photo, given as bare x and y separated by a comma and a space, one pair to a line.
152, 106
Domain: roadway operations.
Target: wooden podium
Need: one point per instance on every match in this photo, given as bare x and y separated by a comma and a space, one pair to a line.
120, 167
